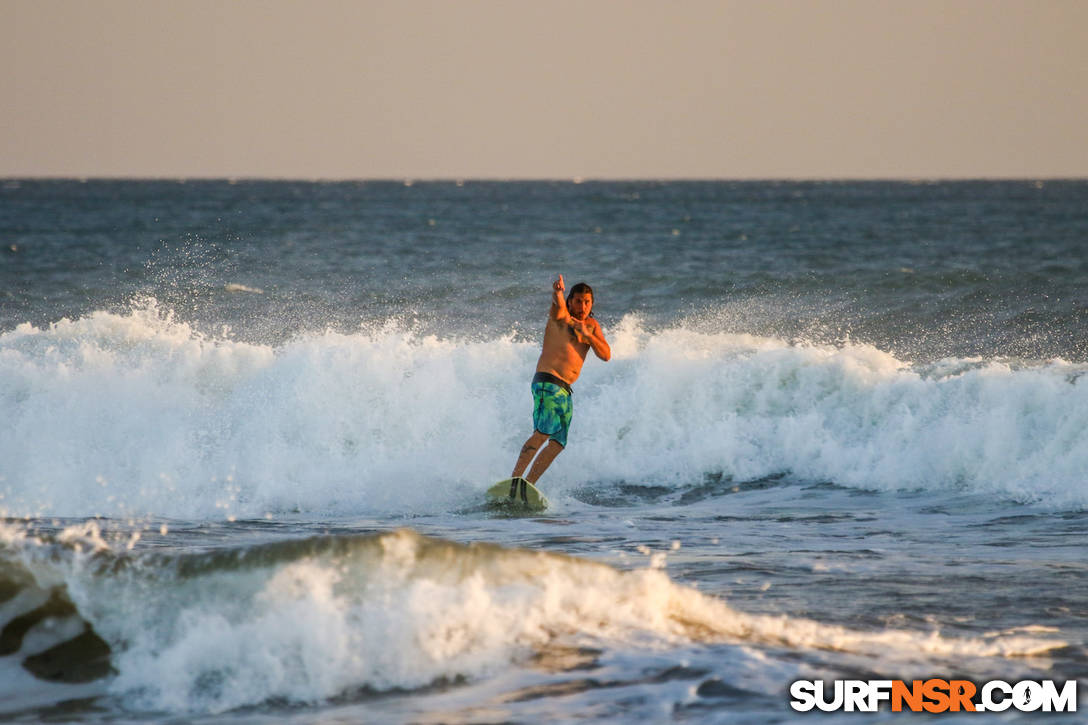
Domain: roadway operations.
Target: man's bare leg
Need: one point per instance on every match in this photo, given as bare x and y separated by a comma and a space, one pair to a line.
532, 445
544, 460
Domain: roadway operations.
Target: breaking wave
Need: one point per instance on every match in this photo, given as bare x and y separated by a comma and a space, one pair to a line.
137, 413
306, 620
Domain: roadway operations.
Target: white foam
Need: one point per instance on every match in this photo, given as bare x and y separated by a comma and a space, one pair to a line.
135, 414
126, 415
854, 415
399, 610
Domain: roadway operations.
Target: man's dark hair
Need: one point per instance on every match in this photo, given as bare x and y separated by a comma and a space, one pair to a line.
579, 288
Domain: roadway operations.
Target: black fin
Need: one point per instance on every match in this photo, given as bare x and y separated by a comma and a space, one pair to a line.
524, 491
514, 488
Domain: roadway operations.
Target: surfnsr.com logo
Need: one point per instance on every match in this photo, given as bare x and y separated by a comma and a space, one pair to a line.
933, 695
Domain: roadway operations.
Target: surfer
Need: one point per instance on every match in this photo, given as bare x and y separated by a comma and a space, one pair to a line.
569, 334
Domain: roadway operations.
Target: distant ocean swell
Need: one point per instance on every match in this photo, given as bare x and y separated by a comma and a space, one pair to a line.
306, 620
126, 415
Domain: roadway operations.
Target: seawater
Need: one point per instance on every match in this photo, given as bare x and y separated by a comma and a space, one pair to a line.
248, 425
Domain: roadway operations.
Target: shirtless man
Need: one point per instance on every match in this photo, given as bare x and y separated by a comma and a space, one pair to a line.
569, 335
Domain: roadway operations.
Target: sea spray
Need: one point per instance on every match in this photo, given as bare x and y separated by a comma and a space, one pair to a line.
138, 414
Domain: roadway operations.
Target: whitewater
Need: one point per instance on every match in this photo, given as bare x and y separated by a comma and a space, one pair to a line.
162, 420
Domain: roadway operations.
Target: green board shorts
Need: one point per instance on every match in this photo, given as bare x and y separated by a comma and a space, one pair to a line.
552, 407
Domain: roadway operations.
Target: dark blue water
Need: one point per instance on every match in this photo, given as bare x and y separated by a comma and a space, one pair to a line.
928, 270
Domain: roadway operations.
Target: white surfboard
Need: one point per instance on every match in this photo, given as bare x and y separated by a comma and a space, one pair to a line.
517, 492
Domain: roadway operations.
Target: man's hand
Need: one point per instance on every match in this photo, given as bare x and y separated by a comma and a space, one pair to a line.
557, 285
581, 330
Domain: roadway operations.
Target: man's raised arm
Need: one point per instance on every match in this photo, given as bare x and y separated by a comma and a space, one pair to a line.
559, 302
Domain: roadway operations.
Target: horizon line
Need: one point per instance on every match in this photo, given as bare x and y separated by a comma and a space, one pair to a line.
410, 180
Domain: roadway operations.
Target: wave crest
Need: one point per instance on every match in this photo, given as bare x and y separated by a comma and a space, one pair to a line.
308, 620
133, 414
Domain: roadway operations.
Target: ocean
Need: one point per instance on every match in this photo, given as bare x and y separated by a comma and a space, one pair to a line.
247, 428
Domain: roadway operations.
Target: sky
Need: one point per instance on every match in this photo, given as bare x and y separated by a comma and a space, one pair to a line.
616, 89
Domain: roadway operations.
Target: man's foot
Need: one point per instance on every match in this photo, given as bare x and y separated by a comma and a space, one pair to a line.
519, 489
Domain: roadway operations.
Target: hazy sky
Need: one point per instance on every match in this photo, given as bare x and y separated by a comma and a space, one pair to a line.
544, 88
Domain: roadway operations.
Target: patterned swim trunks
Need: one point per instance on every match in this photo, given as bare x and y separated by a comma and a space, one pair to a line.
552, 407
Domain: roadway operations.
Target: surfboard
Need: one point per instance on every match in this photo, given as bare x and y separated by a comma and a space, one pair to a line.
516, 493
